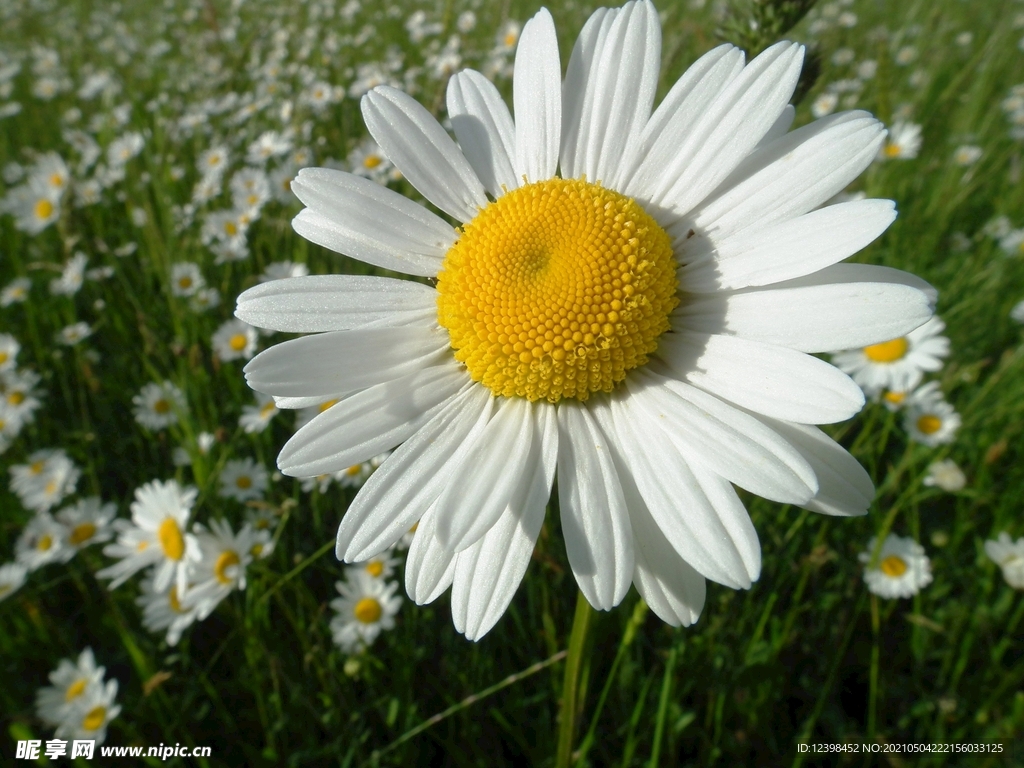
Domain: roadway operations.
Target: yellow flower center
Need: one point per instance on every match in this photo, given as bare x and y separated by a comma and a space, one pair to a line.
267, 409
557, 289
368, 610
929, 424
372, 161
171, 539
238, 342
172, 599
243, 482
142, 545
227, 559
354, 470
375, 568
256, 550
51, 488
893, 566
895, 398
81, 533
324, 406
3, 357
887, 351
56, 180
44, 543
161, 406
231, 228
185, 282
892, 150
510, 39
43, 209
94, 718
75, 690
37, 467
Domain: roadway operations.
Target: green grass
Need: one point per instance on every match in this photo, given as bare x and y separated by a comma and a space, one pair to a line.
806, 655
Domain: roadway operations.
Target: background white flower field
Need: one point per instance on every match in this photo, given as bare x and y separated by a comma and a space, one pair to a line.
146, 152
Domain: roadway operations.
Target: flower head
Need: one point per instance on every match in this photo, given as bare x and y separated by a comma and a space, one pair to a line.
900, 570
1009, 556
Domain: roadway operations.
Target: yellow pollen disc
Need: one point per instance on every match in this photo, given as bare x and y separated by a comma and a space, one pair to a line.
171, 540
43, 209
267, 409
243, 482
44, 543
161, 406
324, 406
227, 559
94, 719
172, 599
185, 282
893, 566
557, 289
895, 398
375, 568
231, 228
892, 150
141, 546
75, 690
51, 488
262, 524
3, 357
929, 424
887, 351
257, 550
510, 39
56, 180
372, 161
81, 533
354, 470
37, 467
5, 588
368, 610
238, 342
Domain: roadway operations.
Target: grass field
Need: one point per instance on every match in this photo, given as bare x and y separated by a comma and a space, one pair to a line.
143, 118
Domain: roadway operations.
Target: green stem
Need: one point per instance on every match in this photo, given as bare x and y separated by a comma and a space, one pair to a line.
659, 727
873, 680
570, 687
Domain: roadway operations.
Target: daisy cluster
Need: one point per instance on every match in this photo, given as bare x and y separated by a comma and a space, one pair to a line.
79, 703
19, 393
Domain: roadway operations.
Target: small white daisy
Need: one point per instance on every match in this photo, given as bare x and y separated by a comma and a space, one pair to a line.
902, 143
69, 684
186, 279
967, 154
380, 567
44, 482
234, 340
42, 542
12, 578
15, 291
9, 348
72, 334
280, 270
163, 609
366, 607
901, 570
243, 479
72, 276
946, 475
357, 474
158, 405
91, 717
370, 162
897, 365
221, 568
255, 418
929, 418
87, 522
1017, 313
155, 536
1009, 556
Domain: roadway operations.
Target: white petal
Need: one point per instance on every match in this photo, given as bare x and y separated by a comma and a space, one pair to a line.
775, 381
362, 219
780, 127
791, 176
425, 154
488, 574
484, 128
537, 98
399, 492
316, 303
783, 251
846, 488
494, 467
339, 362
370, 422
304, 402
694, 158
726, 440
831, 310
429, 567
575, 88
671, 492
595, 523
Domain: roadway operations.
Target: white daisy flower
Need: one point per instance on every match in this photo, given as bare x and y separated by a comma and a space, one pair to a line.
164, 609
255, 418
367, 160
42, 542
929, 418
87, 522
967, 154
155, 536
89, 720
12, 578
306, 413
356, 475
186, 279
221, 568
206, 298
320, 482
69, 685
159, 405
19, 396
15, 291
124, 148
213, 161
825, 104
646, 337
1012, 242
380, 567
250, 190
901, 569
899, 364
281, 183
44, 482
71, 278
946, 475
234, 340
279, 270
9, 348
243, 479
903, 143
366, 607
1009, 556
1017, 312
72, 334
